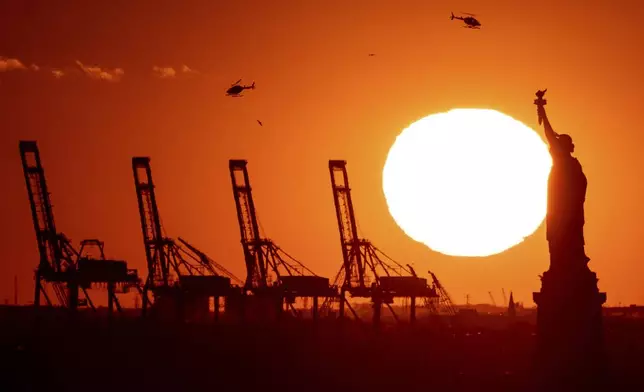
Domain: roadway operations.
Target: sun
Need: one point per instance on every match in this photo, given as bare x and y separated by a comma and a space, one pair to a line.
468, 182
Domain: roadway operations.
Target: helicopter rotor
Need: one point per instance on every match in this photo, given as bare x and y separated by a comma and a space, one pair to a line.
236, 83
466, 13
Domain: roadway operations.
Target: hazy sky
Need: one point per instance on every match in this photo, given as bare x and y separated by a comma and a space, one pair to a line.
320, 97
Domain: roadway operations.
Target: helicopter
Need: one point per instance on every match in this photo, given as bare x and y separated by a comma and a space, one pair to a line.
470, 21
236, 89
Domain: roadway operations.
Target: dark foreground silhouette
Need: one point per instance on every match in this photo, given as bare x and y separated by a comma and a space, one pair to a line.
134, 355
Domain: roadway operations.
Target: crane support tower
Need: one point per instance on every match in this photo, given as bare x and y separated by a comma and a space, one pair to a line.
61, 265
272, 276
365, 273
181, 278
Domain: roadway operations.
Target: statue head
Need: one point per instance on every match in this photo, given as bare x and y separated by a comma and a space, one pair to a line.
566, 144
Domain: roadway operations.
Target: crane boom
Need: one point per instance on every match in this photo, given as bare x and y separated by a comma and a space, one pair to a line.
157, 259
492, 298
256, 263
57, 257
51, 256
354, 267
213, 267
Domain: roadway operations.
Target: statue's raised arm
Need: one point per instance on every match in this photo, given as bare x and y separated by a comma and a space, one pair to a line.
551, 135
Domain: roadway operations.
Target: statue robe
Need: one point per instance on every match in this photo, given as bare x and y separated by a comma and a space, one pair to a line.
565, 219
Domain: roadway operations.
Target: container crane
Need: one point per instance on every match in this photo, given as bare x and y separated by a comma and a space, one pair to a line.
61, 265
179, 277
368, 272
57, 264
272, 275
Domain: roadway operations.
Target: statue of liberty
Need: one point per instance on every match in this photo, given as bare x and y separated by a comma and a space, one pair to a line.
566, 196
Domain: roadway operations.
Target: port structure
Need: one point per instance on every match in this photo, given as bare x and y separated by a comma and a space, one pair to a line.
273, 277
65, 269
181, 278
367, 272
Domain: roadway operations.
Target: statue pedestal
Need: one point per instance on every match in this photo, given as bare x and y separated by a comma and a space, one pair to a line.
569, 329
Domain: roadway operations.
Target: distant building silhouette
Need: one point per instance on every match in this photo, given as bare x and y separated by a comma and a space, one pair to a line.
512, 310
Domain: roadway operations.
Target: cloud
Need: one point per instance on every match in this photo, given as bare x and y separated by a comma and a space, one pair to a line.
164, 72
170, 72
188, 70
9, 64
95, 72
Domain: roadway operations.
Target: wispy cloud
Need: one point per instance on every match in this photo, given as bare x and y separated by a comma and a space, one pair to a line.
10, 64
171, 72
188, 70
95, 72
164, 72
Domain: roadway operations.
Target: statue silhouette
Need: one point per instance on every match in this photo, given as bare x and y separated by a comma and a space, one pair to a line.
566, 196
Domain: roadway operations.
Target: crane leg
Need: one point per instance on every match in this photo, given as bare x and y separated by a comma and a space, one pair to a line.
117, 303
37, 292
110, 299
73, 296
377, 310
144, 302
412, 310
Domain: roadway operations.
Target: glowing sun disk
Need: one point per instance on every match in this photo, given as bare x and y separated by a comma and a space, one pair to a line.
468, 182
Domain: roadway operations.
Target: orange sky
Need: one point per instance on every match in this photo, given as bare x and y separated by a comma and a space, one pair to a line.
320, 97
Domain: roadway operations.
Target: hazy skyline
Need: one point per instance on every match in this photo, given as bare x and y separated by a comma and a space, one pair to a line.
319, 96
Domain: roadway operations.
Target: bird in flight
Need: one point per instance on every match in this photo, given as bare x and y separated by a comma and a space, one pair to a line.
260, 123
